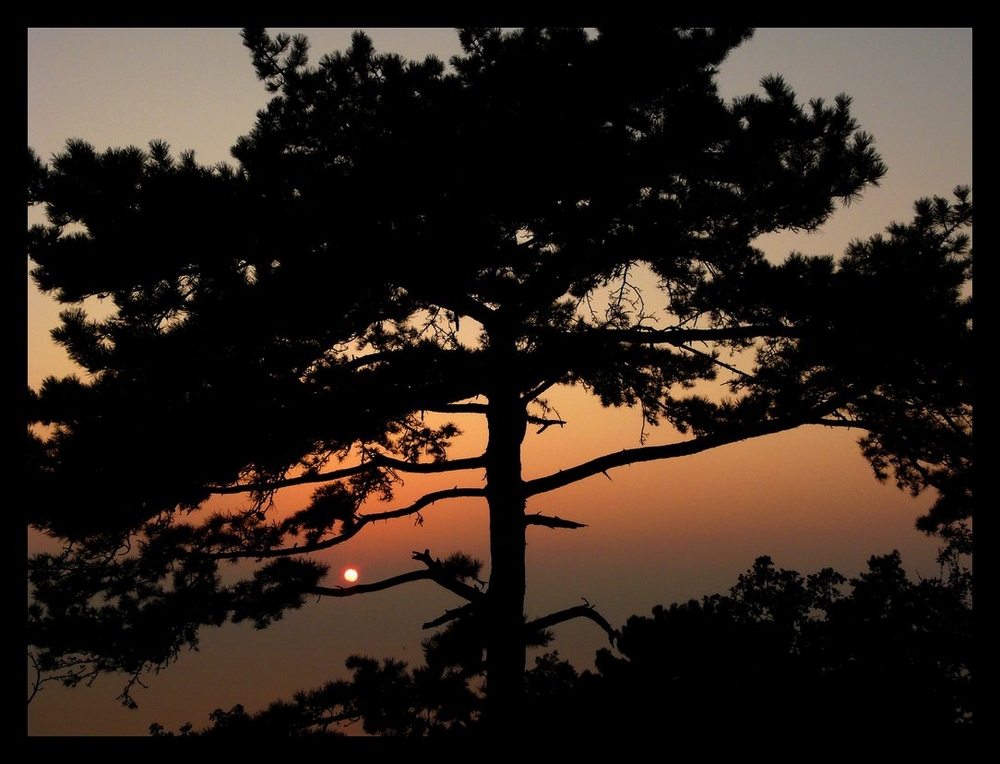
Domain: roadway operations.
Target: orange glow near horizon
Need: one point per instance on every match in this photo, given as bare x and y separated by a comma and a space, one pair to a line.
657, 532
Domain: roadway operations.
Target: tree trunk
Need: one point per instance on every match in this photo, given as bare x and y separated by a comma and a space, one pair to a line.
505, 648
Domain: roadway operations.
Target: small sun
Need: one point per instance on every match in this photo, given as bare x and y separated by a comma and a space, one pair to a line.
351, 575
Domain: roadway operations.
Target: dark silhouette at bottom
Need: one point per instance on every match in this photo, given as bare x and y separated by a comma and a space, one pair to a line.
782, 657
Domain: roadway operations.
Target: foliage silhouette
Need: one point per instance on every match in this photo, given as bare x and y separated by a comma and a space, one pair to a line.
782, 655
399, 244
788, 652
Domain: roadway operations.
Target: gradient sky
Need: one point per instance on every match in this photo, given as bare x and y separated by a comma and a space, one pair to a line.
658, 533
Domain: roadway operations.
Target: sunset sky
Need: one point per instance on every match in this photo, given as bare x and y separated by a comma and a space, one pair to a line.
657, 533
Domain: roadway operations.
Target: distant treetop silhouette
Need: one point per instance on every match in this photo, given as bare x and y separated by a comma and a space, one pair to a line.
400, 242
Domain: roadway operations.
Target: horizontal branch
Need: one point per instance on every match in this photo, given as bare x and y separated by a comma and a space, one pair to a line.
376, 462
352, 530
552, 482
851, 424
544, 423
435, 572
580, 611
459, 408
680, 336
552, 522
378, 586
654, 453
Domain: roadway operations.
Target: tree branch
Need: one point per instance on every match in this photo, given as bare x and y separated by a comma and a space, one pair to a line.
580, 611
450, 615
600, 465
375, 462
441, 576
378, 586
349, 531
435, 572
679, 336
652, 453
36, 683
722, 364
544, 423
459, 408
552, 522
